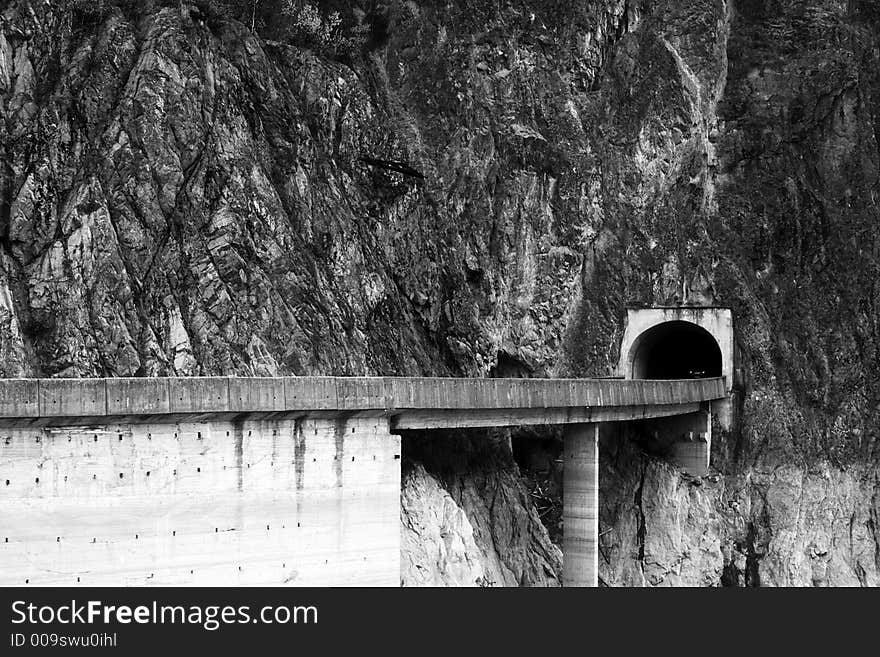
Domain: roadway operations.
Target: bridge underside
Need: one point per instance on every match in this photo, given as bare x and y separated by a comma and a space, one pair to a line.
400, 420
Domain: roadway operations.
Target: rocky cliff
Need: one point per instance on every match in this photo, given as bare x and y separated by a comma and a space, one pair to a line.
389, 187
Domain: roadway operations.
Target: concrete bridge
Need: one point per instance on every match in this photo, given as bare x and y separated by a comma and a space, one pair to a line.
278, 480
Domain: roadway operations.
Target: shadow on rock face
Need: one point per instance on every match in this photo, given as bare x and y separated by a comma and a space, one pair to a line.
478, 473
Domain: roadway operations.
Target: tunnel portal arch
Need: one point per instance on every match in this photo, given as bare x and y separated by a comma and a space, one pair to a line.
698, 339
692, 332
675, 350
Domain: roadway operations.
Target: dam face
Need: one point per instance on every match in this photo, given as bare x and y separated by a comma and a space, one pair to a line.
268, 502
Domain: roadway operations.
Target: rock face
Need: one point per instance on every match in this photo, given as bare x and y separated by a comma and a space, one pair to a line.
180, 195
781, 525
480, 481
437, 539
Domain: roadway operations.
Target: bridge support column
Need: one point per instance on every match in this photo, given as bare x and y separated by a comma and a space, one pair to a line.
691, 451
580, 502
689, 439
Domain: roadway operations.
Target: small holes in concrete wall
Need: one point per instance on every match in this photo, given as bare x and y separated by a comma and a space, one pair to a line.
282, 429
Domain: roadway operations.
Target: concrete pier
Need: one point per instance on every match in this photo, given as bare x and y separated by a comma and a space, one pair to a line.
691, 450
687, 439
580, 499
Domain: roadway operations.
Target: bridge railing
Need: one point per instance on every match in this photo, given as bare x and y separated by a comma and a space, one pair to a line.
32, 398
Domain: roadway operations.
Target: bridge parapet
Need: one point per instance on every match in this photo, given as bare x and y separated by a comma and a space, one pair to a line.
115, 397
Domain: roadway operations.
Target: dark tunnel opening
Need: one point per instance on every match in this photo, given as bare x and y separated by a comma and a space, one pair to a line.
676, 350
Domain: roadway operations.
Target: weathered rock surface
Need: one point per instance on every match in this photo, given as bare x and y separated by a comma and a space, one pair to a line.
481, 479
787, 525
437, 540
181, 196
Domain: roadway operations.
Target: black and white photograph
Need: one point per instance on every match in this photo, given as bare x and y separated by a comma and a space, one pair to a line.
435, 293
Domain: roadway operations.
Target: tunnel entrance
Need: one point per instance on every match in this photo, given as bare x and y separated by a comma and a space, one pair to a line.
681, 342
676, 350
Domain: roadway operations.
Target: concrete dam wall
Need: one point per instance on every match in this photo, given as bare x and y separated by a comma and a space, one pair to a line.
310, 502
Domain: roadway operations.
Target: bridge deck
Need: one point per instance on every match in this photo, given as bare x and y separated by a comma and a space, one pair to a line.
412, 402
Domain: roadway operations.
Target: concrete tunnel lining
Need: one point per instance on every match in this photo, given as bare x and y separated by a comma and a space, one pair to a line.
676, 350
